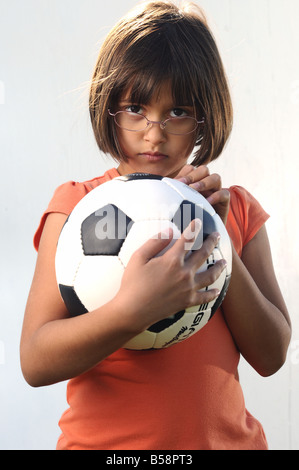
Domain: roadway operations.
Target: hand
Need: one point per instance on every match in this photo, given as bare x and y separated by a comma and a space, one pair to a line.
210, 186
155, 287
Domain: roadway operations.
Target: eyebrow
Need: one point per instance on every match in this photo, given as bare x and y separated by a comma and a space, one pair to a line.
126, 101
173, 104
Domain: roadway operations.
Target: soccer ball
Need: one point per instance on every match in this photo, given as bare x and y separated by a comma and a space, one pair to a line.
110, 223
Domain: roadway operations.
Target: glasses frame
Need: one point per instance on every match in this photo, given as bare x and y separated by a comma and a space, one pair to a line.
161, 123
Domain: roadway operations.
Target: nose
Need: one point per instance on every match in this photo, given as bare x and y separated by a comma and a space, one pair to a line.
154, 133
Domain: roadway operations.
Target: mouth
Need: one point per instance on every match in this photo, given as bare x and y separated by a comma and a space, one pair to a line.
153, 156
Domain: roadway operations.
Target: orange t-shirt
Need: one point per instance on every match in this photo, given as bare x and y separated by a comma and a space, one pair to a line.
186, 397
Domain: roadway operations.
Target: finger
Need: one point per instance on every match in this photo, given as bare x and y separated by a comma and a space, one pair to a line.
187, 240
154, 246
219, 197
220, 200
199, 256
184, 172
210, 183
205, 297
192, 175
209, 276
196, 176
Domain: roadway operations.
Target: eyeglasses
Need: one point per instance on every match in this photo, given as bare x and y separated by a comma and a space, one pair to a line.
133, 122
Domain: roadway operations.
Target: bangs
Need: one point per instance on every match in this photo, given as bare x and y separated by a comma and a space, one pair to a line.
158, 61
145, 87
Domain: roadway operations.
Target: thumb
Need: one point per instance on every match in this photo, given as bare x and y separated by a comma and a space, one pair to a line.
156, 245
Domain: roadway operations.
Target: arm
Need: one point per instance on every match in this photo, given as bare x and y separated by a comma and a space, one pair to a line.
254, 308
55, 347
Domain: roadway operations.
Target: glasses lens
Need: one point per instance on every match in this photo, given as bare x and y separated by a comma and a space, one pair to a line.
136, 122
181, 125
130, 121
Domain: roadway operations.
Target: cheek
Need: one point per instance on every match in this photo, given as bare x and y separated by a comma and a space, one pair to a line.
125, 141
186, 146
120, 137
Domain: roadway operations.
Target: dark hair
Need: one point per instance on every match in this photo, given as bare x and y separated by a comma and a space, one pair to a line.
160, 42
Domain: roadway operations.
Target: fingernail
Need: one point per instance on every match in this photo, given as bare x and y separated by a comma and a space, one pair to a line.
224, 264
217, 293
198, 226
197, 186
193, 233
165, 234
183, 180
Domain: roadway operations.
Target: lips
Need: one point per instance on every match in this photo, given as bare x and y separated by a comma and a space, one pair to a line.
153, 156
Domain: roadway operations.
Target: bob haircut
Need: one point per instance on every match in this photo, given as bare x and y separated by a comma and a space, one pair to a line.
158, 42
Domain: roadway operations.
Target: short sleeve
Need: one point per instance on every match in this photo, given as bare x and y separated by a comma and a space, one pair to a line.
63, 201
246, 217
67, 196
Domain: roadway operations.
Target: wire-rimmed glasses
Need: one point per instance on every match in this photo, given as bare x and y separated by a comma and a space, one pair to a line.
134, 122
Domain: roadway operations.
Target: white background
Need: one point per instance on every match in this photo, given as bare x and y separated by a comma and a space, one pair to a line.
48, 49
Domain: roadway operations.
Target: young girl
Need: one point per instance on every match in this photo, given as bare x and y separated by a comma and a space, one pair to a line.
159, 92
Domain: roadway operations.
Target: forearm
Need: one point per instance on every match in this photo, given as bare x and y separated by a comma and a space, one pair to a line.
65, 348
260, 329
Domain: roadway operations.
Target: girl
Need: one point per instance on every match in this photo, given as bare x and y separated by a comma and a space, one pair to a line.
159, 92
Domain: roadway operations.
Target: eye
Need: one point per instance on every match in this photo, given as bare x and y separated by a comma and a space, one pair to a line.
134, 108
178, 112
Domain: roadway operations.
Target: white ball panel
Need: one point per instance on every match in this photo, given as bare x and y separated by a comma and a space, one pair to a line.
69, 253
218, 284
145, 340
140, 233
94, 200
156, 200
98, 280
224, 244
189, 194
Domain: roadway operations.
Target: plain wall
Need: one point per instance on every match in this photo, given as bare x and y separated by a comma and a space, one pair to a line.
48, 49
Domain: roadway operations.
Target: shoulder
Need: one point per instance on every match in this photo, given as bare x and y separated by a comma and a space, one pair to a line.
67, 196
242, 199
245, 218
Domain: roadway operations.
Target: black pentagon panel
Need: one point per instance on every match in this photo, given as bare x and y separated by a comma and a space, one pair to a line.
163, 324
104, 231
187, 212
72, 301
140, 176
209, 225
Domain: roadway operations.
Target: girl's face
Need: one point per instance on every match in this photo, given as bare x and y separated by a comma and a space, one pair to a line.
154, 150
